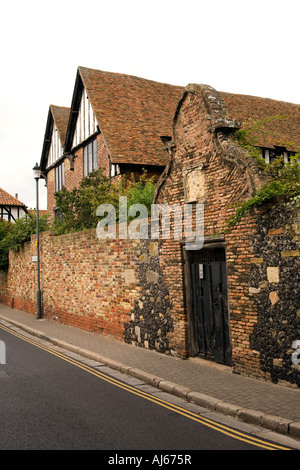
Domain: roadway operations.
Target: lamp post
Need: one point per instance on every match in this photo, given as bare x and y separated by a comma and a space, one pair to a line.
37, 175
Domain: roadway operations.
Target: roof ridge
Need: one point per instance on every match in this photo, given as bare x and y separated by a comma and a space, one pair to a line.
244, 95
60, 107
127, 75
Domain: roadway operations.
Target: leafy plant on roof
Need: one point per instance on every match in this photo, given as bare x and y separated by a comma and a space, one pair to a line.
283, 178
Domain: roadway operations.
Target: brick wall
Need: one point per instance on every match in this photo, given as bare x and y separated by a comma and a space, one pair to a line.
208, 168
222, 184
113, 287
135, 290
84, 281
50, 191
139, 291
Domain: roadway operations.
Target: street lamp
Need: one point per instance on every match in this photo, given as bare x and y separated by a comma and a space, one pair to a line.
37, 175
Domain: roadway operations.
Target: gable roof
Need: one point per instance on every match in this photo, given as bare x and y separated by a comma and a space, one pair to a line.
58, 115
8, 200
283, 130
61, 118
132, 114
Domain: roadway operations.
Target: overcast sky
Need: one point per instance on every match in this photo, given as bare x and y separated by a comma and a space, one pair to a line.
235, 46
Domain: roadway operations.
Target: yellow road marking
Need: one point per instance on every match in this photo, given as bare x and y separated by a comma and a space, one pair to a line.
186, 413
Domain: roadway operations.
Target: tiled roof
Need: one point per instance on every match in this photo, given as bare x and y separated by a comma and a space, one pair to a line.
132, 113
283, 131
8, 200
61, 118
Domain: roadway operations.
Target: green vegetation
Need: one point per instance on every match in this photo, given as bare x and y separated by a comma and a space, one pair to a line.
78, 206
77, 209
13, 235
282, 179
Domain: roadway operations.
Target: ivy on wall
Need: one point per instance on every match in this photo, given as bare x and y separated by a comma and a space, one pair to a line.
282, 178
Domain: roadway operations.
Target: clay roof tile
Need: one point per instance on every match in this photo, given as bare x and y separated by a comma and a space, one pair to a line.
132, 113
281, 120
7, 199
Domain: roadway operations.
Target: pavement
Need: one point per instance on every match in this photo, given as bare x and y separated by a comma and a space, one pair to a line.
209, 385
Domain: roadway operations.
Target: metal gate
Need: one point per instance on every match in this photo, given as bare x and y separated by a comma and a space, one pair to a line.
210, 304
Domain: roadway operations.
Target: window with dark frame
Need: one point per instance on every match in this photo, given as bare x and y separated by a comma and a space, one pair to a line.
275, 153
59, 177
114, 170
90, 158
271, 154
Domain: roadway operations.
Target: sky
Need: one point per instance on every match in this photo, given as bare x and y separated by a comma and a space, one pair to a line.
235, 46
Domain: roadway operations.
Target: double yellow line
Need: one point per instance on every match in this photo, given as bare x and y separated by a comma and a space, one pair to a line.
177, 409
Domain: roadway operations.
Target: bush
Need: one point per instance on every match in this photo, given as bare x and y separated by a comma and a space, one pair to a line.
77, 207
4, 230
13, 235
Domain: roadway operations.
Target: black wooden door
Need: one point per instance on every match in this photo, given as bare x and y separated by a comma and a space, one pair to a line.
210, 305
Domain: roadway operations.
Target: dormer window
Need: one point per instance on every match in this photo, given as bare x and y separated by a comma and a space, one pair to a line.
114, 170
90, 158
271, 154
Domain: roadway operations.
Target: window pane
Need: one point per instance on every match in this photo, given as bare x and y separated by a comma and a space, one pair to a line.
85, 173
95, 164
59, 177
90, 153
56, 179
90, 158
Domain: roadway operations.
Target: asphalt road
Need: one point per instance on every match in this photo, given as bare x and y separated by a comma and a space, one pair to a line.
53, 401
